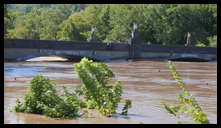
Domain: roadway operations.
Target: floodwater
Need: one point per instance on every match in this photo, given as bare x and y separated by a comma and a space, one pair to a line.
146, 83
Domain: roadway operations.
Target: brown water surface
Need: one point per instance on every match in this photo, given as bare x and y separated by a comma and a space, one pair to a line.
146, 83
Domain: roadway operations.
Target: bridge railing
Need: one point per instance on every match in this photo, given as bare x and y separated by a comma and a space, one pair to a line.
63, 45
81, 45
176, 49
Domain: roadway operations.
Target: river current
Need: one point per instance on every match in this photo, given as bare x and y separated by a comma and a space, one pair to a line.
146, 83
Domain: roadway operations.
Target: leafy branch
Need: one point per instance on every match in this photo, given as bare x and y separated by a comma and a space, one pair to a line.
97, 93
97, 90
188, 103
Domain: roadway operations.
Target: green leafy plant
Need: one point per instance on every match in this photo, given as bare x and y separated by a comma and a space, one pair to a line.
200, 44
126, 107
97, 90
42, 98
188, 103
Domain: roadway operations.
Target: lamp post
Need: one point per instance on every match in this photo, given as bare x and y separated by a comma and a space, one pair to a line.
188, 41
133, 42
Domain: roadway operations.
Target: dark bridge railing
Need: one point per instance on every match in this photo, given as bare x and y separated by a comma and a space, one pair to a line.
63, 45
176, 49
78, 45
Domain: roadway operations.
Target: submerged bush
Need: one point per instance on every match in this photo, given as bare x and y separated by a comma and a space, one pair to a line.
97, 93
96, 89
188, 103
126, 107
42, 98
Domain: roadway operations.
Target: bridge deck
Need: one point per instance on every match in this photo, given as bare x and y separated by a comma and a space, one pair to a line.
97, 50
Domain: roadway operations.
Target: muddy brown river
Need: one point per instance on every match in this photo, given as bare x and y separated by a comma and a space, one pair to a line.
146, 83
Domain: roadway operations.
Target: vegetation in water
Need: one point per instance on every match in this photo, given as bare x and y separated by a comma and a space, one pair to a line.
188, 103
126, 107
97, 90
42, 98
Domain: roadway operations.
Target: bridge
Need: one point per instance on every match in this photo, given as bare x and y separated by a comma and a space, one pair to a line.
23, 49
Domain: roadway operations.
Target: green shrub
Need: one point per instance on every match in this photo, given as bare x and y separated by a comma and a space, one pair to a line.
188, 103
97, 93
63, 109
97, 90
42, 98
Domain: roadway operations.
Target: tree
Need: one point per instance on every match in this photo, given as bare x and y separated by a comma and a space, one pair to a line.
93, 16
51, 18
173, 22
41, 21
5, 19
68, 31
9, 19
213, 41
121, 18
166, 24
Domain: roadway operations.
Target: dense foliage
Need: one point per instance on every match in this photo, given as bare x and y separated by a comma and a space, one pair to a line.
166, 24
42, 98
98, 91
188, 104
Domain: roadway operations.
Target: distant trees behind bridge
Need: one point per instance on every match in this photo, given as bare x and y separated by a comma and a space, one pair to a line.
166, 24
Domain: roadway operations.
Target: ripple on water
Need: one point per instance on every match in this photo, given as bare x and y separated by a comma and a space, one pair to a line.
142, 82
22, 70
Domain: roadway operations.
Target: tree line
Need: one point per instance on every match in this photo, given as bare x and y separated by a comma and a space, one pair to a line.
165, 24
